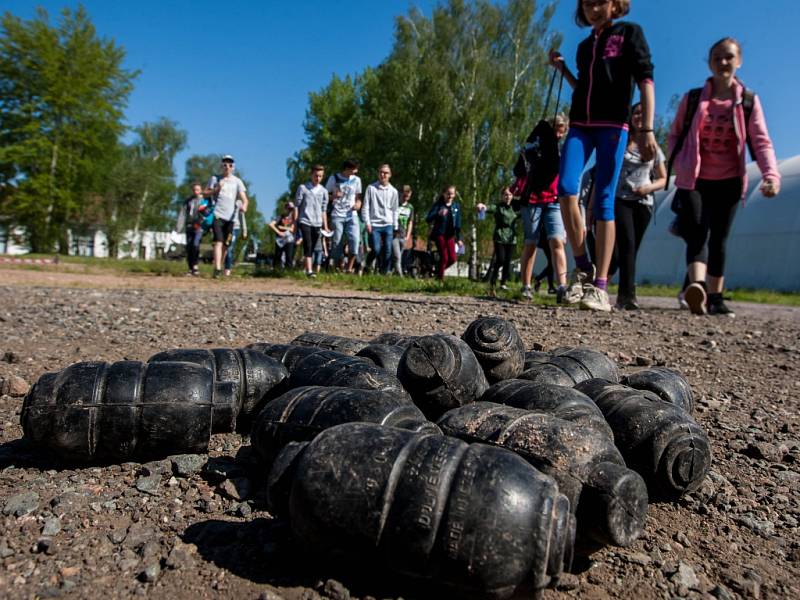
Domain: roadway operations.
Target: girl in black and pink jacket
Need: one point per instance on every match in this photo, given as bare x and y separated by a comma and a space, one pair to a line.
710, 172
611, 62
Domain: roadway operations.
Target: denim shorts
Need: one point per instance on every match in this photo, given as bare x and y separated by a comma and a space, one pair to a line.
536, 216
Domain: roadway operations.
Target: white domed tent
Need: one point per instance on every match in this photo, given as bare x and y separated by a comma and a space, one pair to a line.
763, 249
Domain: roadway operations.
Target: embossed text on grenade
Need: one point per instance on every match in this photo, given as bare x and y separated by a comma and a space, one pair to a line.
476, 520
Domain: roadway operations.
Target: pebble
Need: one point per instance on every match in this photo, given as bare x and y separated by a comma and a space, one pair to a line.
22, 504
149, 484
686, 577
51, 527
335, 590
760, 526
150, 574
270, 595
237, 489
186, 465
14, 386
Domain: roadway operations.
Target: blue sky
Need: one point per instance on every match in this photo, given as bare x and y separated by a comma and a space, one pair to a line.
236, 75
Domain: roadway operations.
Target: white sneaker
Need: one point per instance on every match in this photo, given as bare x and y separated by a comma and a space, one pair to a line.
526, 292
577, 280
595, 299
682, 301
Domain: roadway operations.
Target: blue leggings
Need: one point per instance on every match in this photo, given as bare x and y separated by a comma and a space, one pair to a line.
609, 142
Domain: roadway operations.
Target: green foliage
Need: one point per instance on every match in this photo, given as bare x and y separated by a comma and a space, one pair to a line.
451, 104
62, 95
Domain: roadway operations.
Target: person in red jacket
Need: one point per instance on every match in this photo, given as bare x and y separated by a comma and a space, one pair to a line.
710, 173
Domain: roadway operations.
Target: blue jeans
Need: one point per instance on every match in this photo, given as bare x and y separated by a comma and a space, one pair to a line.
229, 254
538, 216
609, 143
382, 245
352, 228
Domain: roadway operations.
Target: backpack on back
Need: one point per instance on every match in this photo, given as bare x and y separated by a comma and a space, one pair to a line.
539, 158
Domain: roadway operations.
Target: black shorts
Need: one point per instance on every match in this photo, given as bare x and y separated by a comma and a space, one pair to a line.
223, 231
310, 237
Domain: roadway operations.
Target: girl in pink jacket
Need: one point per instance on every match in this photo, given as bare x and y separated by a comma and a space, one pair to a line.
711, 176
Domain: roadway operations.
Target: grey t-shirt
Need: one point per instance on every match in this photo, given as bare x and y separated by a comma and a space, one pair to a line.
350, 188
635, 173
232, 186
312, 202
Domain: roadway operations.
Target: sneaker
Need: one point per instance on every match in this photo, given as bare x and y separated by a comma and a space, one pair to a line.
594, 299
560, 293
695, 297
217, 273
504, 287
526, 292
627, 304
682, 304
552, 291
717, 306
577, 280
227, 272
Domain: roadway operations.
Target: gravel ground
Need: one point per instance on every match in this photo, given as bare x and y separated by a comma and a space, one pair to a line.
190, 527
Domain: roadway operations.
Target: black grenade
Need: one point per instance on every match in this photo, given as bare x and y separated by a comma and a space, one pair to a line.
253, 376
96, 411
660, 441
556, 400
344, 345
535, 357
301, 414
498, 347
441, 372
610, 500
475, 520
667, 384
394, 339
596, 364
383, 355
332, 369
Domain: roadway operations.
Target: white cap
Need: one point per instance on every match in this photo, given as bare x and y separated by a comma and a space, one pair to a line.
228, 157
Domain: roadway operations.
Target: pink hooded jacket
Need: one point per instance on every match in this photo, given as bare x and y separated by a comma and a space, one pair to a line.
687, 163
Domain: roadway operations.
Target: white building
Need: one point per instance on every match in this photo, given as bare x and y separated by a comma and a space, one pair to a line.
763, 247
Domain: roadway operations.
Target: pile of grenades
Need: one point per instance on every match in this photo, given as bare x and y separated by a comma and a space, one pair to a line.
464, 463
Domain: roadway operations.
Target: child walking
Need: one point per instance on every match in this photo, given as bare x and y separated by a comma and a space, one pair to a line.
709, 157
506, 215
311, 203
610, 61
444, 218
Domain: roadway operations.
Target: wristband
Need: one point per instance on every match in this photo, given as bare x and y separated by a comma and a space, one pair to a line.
646, 131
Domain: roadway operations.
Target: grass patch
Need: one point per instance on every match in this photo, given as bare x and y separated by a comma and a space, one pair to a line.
454, 286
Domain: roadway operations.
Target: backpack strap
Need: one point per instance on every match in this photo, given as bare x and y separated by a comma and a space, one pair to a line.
692, 103
748, 103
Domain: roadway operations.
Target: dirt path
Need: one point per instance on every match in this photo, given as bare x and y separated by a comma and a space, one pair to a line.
123, 530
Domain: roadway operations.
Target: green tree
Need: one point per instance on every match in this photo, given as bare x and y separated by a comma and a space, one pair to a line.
451, 104
62, 95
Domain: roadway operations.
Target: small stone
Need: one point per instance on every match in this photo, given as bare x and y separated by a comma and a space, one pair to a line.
244, 510
681, 538
685, 576
568, 582
157, 467
180, 556
22, 504
760, 526
10, 357
637, 558
237, 489
270, 595
150, 574
643, 361
149, 484
43, 546
186, 465
14, 386
51, 527
335, 590
5, 551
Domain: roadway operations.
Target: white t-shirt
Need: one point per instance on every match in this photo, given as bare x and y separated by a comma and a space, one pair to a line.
350, 188
230, 189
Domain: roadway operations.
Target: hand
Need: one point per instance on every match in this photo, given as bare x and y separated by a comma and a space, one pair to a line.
282, 233
480, 206
460, 244
556, 60
770, 188
369, 228
641, 192
648, 147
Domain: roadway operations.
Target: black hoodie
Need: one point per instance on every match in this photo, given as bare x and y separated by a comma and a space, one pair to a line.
609, 65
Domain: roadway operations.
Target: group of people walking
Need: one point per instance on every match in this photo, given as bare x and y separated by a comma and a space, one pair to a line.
605, 217
602, 214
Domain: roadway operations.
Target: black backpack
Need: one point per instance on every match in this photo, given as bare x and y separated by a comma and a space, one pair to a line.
539, 158
748, 102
